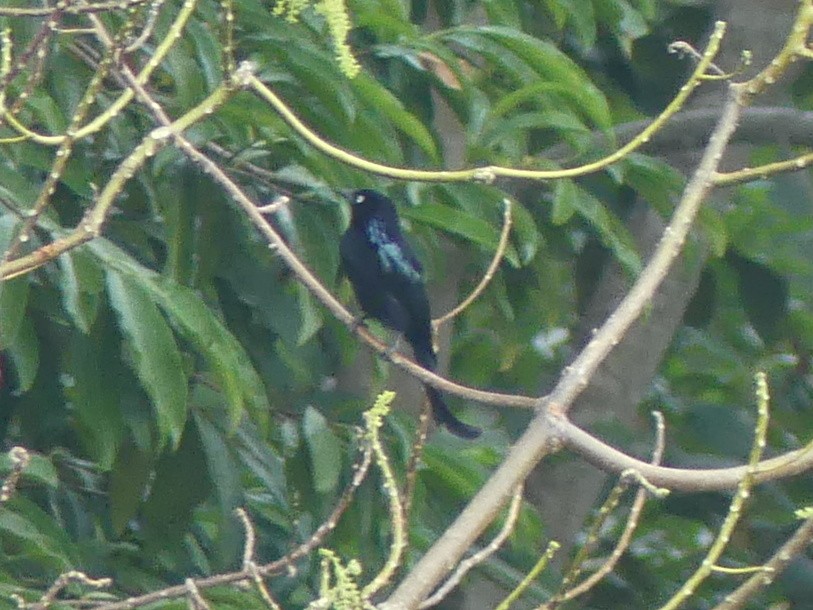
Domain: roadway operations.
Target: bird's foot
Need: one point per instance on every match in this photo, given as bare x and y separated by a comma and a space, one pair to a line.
393, 348
357, 323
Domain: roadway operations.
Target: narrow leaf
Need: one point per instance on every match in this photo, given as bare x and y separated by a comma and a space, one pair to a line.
325, 452
460, 223
157, 360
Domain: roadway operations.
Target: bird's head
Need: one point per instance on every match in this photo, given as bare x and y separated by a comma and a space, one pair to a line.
367, 203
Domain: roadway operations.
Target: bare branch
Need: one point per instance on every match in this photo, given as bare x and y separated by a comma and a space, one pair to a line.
492, 268
63, 581
480, 556
794, 546
20, 459
626, 536
609, 459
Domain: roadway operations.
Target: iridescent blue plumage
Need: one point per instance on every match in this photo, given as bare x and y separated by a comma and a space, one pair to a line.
388, 281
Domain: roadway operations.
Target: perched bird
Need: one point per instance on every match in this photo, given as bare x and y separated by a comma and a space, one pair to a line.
388, 281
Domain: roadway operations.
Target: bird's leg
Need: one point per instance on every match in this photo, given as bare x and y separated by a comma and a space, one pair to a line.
357, 323
393, 347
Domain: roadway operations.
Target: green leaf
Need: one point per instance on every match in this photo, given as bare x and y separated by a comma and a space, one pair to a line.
312, 69
517, 127
565, 194
582, 20
16, 188
503, 12
25, 355
625, 22
220, 464
457, 473
570, 198
208, 52
311, 315
524, 233
157, 360
714, 229
235, 374
657, 182
239, 381
383, 101
181, 483
187, 77
39, 468
764, 293
81, 283
545, 61
388, 18
47, 112
35, 535
325, 451
13, 300
128, 481
460, 223
266, 465
95, 397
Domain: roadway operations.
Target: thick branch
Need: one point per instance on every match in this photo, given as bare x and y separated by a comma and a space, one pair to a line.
683, 479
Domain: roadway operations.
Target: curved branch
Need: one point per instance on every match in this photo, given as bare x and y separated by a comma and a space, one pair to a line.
689, 130
612, 460
490, 173
492, 268
625, 538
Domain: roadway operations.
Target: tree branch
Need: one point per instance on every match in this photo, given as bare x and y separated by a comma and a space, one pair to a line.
541, 437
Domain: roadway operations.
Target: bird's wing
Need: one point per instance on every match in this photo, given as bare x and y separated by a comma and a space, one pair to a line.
394, 253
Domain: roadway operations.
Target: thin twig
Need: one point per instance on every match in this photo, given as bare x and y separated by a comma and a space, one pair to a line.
287, 562
275, 205
196, 601
415, 456
20, 458
146, 31
251, 537
330, 523
261, 587
794, 546
480, 556
63, 581
489, 274
490, 173
374, 419
737, 503
61, 158
35, 49
531, 576
632, 522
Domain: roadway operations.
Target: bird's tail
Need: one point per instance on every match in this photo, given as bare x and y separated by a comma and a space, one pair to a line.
425, 356
445, 417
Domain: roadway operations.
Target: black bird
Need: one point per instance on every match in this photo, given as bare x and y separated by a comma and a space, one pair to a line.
388, 281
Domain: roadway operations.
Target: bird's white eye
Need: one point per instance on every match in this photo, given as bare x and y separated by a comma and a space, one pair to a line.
359, 198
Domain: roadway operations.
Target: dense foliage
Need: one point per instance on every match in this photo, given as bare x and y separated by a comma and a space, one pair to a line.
173, 369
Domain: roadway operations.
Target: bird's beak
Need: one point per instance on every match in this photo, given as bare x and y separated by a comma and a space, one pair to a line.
347, 194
